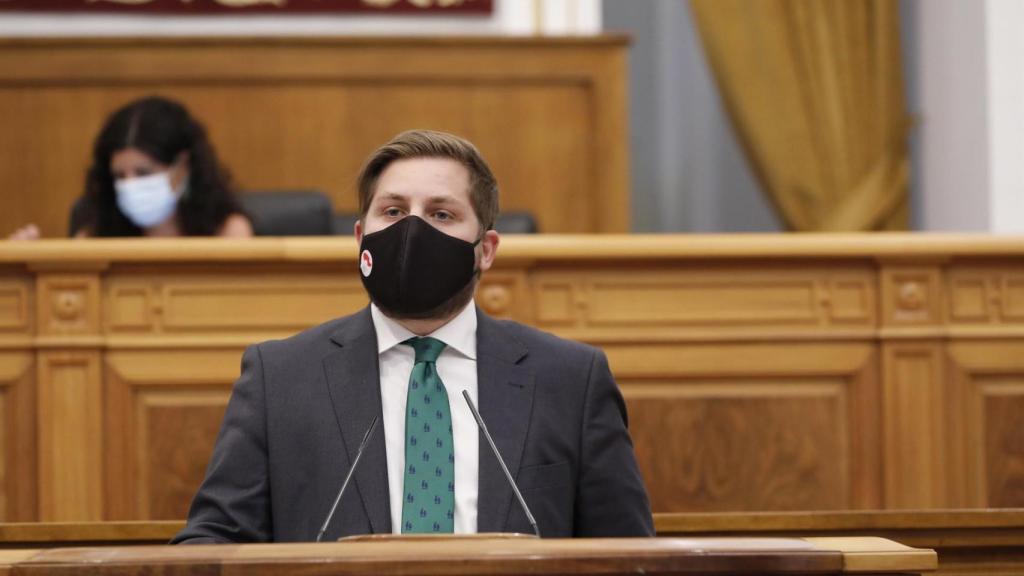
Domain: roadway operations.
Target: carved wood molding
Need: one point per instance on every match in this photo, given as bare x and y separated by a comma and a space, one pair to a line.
829, 363
17, 437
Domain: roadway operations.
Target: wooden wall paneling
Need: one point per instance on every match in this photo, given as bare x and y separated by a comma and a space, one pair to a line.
17, 437
69, 410
610, 109
985, 308
17, 396
70, 423
988, 378
548, 114
753, 427
503, 294
232, 299
16, 305
989, 295
974, 296
163, 412
865, 383
912, 296
769, 373
969, 542
68, 304
916, 396
915, 419
705, 300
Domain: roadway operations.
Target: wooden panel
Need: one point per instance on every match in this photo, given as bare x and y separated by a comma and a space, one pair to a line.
549, 115
870, 371
1012, 300
68, 304
769, 445
634, 299
503, 294
204, 301
911, 295
611, 556
986, 295
175, 435
968, 542
971, 296
275, 303
915, 417
802, 438
988, 379
15, 304
17, 397
70, 436
163, 412
69, 396
17, 437
6, 442
1003, 418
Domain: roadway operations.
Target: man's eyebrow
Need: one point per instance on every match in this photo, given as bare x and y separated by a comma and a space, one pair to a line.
442, 199
391, 196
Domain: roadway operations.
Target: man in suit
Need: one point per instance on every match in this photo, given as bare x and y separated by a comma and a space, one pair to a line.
302, 405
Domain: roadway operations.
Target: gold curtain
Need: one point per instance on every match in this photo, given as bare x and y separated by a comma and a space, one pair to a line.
815, 90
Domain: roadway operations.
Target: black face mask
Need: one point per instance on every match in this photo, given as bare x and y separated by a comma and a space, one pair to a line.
411, 267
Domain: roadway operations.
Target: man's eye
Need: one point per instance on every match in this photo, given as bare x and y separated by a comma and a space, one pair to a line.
442, 215
392, 212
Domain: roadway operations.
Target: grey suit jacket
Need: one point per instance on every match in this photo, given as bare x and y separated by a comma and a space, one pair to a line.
302, 405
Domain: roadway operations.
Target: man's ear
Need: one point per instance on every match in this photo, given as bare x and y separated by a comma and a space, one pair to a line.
357, 230
488, 249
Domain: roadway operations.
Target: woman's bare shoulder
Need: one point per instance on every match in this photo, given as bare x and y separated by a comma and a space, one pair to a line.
236, 226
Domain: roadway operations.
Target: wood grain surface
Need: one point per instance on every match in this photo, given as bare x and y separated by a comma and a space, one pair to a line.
500, 556
767, 373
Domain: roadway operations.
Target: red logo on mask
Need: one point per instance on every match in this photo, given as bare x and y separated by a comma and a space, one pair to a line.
366, 263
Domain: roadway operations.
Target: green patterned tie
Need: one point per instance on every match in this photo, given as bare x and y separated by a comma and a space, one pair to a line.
429, 503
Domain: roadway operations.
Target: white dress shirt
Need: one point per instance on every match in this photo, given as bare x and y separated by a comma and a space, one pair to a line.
457, 368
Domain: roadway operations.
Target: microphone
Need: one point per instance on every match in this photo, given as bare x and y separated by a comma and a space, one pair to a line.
348, 477
511, 482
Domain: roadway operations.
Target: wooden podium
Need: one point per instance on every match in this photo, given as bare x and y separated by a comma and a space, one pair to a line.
497, 557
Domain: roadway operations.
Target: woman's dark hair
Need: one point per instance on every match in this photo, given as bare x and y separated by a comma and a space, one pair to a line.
163, 129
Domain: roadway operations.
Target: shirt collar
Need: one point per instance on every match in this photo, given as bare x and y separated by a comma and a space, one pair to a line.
458, 334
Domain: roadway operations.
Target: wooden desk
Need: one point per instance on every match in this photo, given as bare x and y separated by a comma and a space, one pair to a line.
818, 372
77, 534
968, 542
779, 556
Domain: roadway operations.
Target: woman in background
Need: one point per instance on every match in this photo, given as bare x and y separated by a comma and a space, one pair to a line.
154, 173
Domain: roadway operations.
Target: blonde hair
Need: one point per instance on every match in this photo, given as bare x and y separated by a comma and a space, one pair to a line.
483, 188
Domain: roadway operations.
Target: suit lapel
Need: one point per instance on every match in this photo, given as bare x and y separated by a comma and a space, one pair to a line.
353, 383
505, 391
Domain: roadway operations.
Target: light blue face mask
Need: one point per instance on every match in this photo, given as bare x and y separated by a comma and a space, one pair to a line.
147, 200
